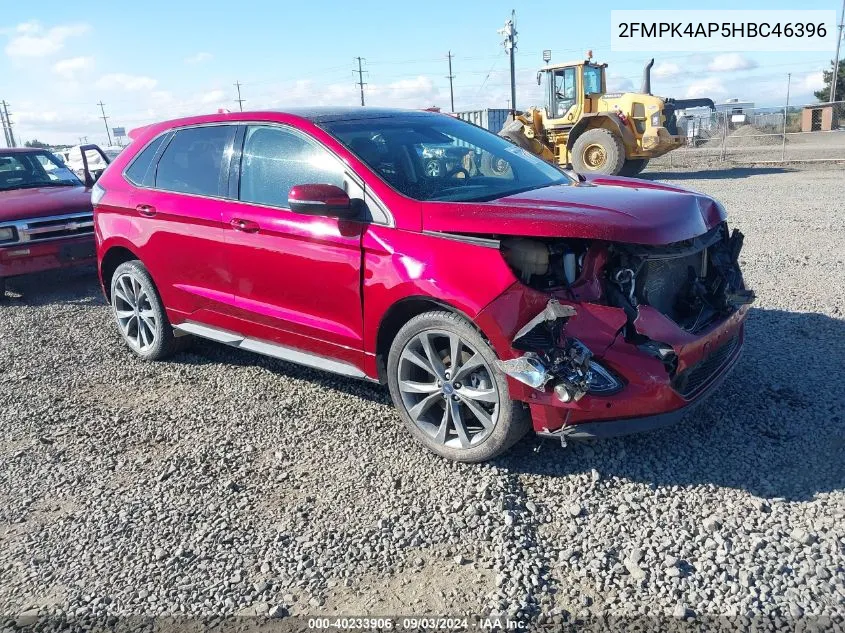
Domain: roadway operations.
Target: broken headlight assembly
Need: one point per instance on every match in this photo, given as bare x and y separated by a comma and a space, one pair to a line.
567, 363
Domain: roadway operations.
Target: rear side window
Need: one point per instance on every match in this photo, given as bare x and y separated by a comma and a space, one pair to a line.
139, 171
193, 161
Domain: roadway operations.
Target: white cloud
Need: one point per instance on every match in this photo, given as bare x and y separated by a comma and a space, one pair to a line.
69, 68
129, 83
615, 83
198, 58
814, 81
418, 92
664, 70
215, 96
707, 87
30, 39
729, 62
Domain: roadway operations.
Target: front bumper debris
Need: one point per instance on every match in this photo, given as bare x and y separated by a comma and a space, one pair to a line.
549, 357
629, 426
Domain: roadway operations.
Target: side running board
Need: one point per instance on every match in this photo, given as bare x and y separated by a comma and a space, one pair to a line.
271, 349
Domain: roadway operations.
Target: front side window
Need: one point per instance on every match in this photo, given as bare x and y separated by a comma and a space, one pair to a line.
34, 169
193, 161
438, 157
564, 90
276, 159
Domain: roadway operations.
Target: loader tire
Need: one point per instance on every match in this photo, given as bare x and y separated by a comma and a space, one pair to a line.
598, 151
633, 166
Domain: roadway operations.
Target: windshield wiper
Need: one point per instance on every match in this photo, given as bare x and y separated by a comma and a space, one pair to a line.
512, 192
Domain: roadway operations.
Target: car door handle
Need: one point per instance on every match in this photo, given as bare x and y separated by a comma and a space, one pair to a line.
247, 226
146, 210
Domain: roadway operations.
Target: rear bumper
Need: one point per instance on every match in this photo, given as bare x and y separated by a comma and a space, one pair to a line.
34, 257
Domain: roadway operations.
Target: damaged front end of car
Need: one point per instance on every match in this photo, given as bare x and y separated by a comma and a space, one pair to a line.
624, 331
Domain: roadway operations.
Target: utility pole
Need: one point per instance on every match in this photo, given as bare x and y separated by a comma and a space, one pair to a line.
105, 119
239, 100
450, 78
785, 116
361, 82
7, 126
835, 78
510, 47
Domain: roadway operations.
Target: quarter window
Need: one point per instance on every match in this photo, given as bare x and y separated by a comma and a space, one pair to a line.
193, 161
139, 172
276, 159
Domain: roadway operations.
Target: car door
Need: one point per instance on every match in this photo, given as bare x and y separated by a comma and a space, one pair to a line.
296, 278
180, 222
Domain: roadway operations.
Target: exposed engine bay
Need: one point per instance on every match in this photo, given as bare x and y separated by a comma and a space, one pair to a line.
695, 282
544, 264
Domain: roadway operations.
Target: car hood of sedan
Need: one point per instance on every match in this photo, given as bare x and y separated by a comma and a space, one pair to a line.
22, 204
603, 208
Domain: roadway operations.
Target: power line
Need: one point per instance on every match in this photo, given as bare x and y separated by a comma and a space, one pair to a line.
239, 100
451, 86
105, 119
361, 83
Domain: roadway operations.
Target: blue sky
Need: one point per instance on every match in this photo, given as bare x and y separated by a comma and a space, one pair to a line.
160, 59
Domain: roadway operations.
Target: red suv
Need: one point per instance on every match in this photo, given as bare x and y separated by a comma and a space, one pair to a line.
494, 295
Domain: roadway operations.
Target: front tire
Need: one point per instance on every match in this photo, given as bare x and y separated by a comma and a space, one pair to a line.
460, 410
598, 151
633, 167
139, 312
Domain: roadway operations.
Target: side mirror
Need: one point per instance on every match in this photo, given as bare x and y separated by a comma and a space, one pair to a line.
316, 199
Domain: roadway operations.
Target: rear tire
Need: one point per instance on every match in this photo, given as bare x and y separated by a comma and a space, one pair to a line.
633, 166
598, 151
465, 416
140, 315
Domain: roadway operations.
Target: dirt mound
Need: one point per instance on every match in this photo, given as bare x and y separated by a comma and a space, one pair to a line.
751, 136
745, 136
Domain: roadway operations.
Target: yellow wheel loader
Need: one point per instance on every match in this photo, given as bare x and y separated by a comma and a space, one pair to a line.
593, 131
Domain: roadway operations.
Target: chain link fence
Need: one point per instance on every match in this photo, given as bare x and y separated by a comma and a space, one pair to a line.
812, 133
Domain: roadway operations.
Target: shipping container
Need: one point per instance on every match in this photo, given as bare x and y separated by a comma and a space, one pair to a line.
491, 119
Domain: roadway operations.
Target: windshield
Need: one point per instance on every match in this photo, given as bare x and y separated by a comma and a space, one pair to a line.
34, 169
441, 158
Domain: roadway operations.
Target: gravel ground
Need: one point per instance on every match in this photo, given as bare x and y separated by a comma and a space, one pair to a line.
227, 483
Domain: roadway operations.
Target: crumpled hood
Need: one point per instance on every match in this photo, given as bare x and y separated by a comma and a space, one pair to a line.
604, 208
22, 204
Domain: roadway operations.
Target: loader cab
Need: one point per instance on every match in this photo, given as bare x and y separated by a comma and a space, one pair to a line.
572, 90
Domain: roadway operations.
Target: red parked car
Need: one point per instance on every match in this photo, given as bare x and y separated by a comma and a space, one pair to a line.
45, 214
496, 295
